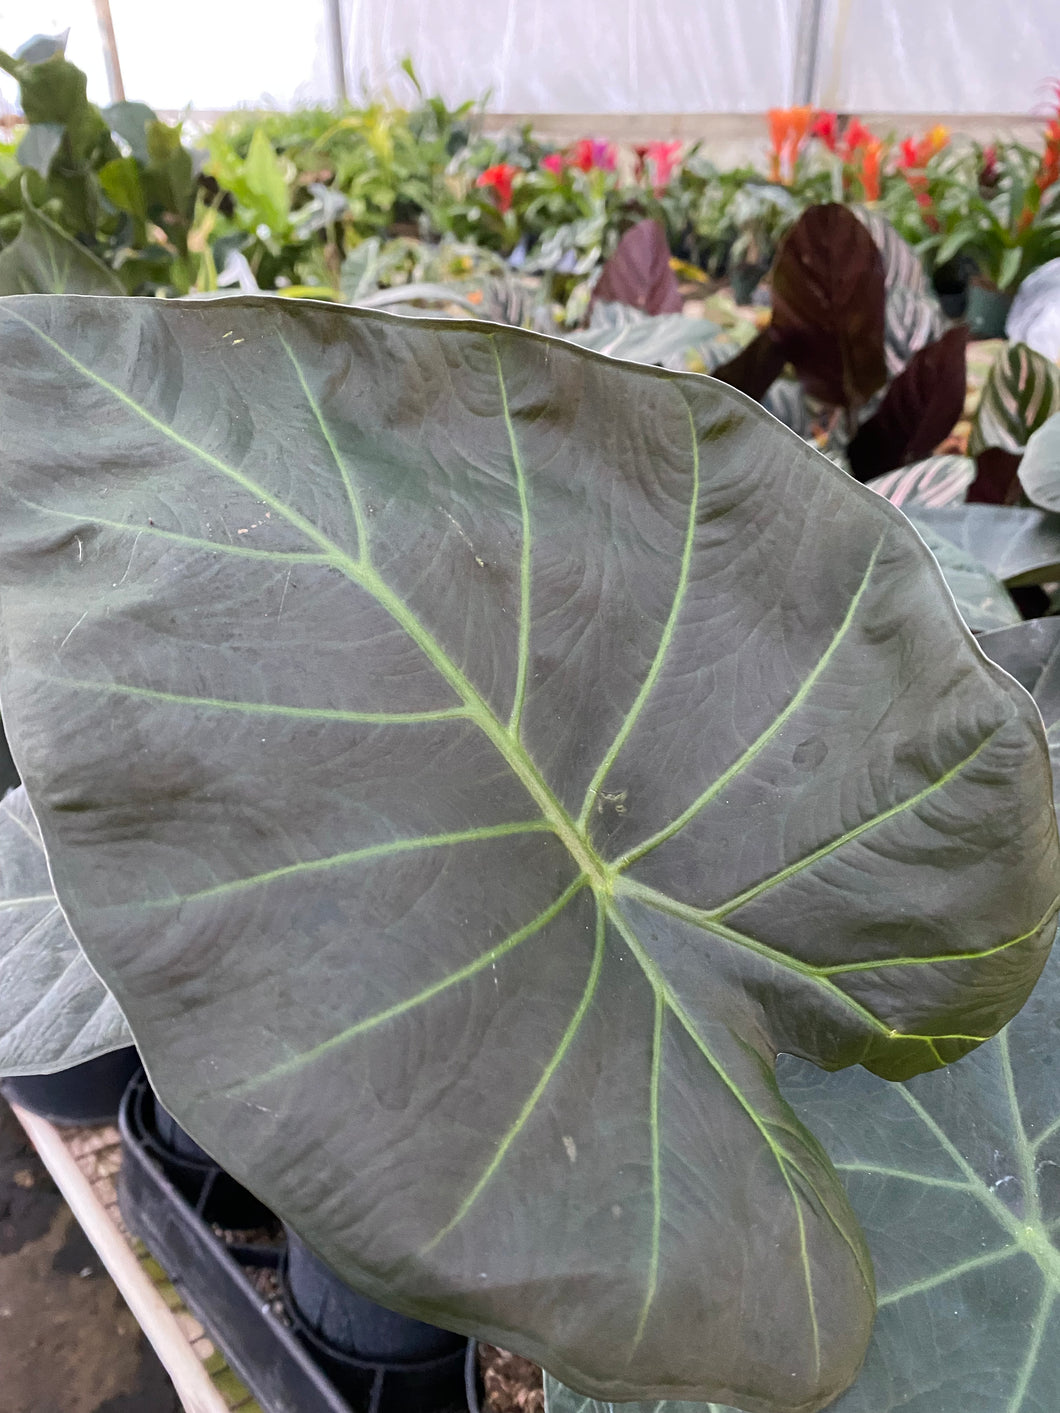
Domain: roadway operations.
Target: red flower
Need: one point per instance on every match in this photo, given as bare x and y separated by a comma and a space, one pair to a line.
665, 158
855, 136
592, 152
500, 178
918, 153
826, 127
553, 163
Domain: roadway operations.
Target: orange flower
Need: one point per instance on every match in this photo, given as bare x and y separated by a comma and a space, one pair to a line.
871, 161
788, 130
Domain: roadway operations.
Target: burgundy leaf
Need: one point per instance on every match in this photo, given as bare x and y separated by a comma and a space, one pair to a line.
828, 306
639, 272
755, 369
996, 481
919, 411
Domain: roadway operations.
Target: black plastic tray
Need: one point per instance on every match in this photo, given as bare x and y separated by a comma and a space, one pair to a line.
214, 1278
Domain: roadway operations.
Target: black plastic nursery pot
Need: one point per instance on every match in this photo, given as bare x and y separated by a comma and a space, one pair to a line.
89, 1093
208, 1188
987, 309
349, 1334
236, 1282
951, 285
745, 279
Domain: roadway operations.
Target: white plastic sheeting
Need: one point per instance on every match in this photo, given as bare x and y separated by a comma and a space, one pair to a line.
945, 56
584, 56
199, 53
572, 56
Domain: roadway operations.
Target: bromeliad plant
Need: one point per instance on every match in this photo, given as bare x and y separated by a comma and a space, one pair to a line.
469, 762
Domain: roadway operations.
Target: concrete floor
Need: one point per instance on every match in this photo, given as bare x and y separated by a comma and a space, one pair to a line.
68, 1343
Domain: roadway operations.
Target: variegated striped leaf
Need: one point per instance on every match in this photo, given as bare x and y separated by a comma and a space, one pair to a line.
902, 267
935, 482
1022, 392
912, 320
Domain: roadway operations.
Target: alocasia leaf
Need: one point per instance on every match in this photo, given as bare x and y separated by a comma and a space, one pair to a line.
1039, 470
54, 1010
468, 761
918, 410
932, 484
1017, 544
43, 259
828, 306
639, 273
982, 600
956, 1178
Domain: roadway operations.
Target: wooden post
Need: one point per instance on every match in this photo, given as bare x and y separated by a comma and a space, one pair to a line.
110, 51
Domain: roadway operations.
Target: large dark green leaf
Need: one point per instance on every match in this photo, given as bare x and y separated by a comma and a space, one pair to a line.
982, 600
43, 259
955, 1178
468, 761
54, 1010
1017, 544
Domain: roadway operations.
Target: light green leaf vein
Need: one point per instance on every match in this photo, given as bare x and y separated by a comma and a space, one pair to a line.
360, 523
762, 741
380, 718
706, 922
1041, 1319
662, 987
525, 560
974, 1263
665, 639
656, 1169
281, 557
875, 1170
400, 1008
372, 851
538, 1090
